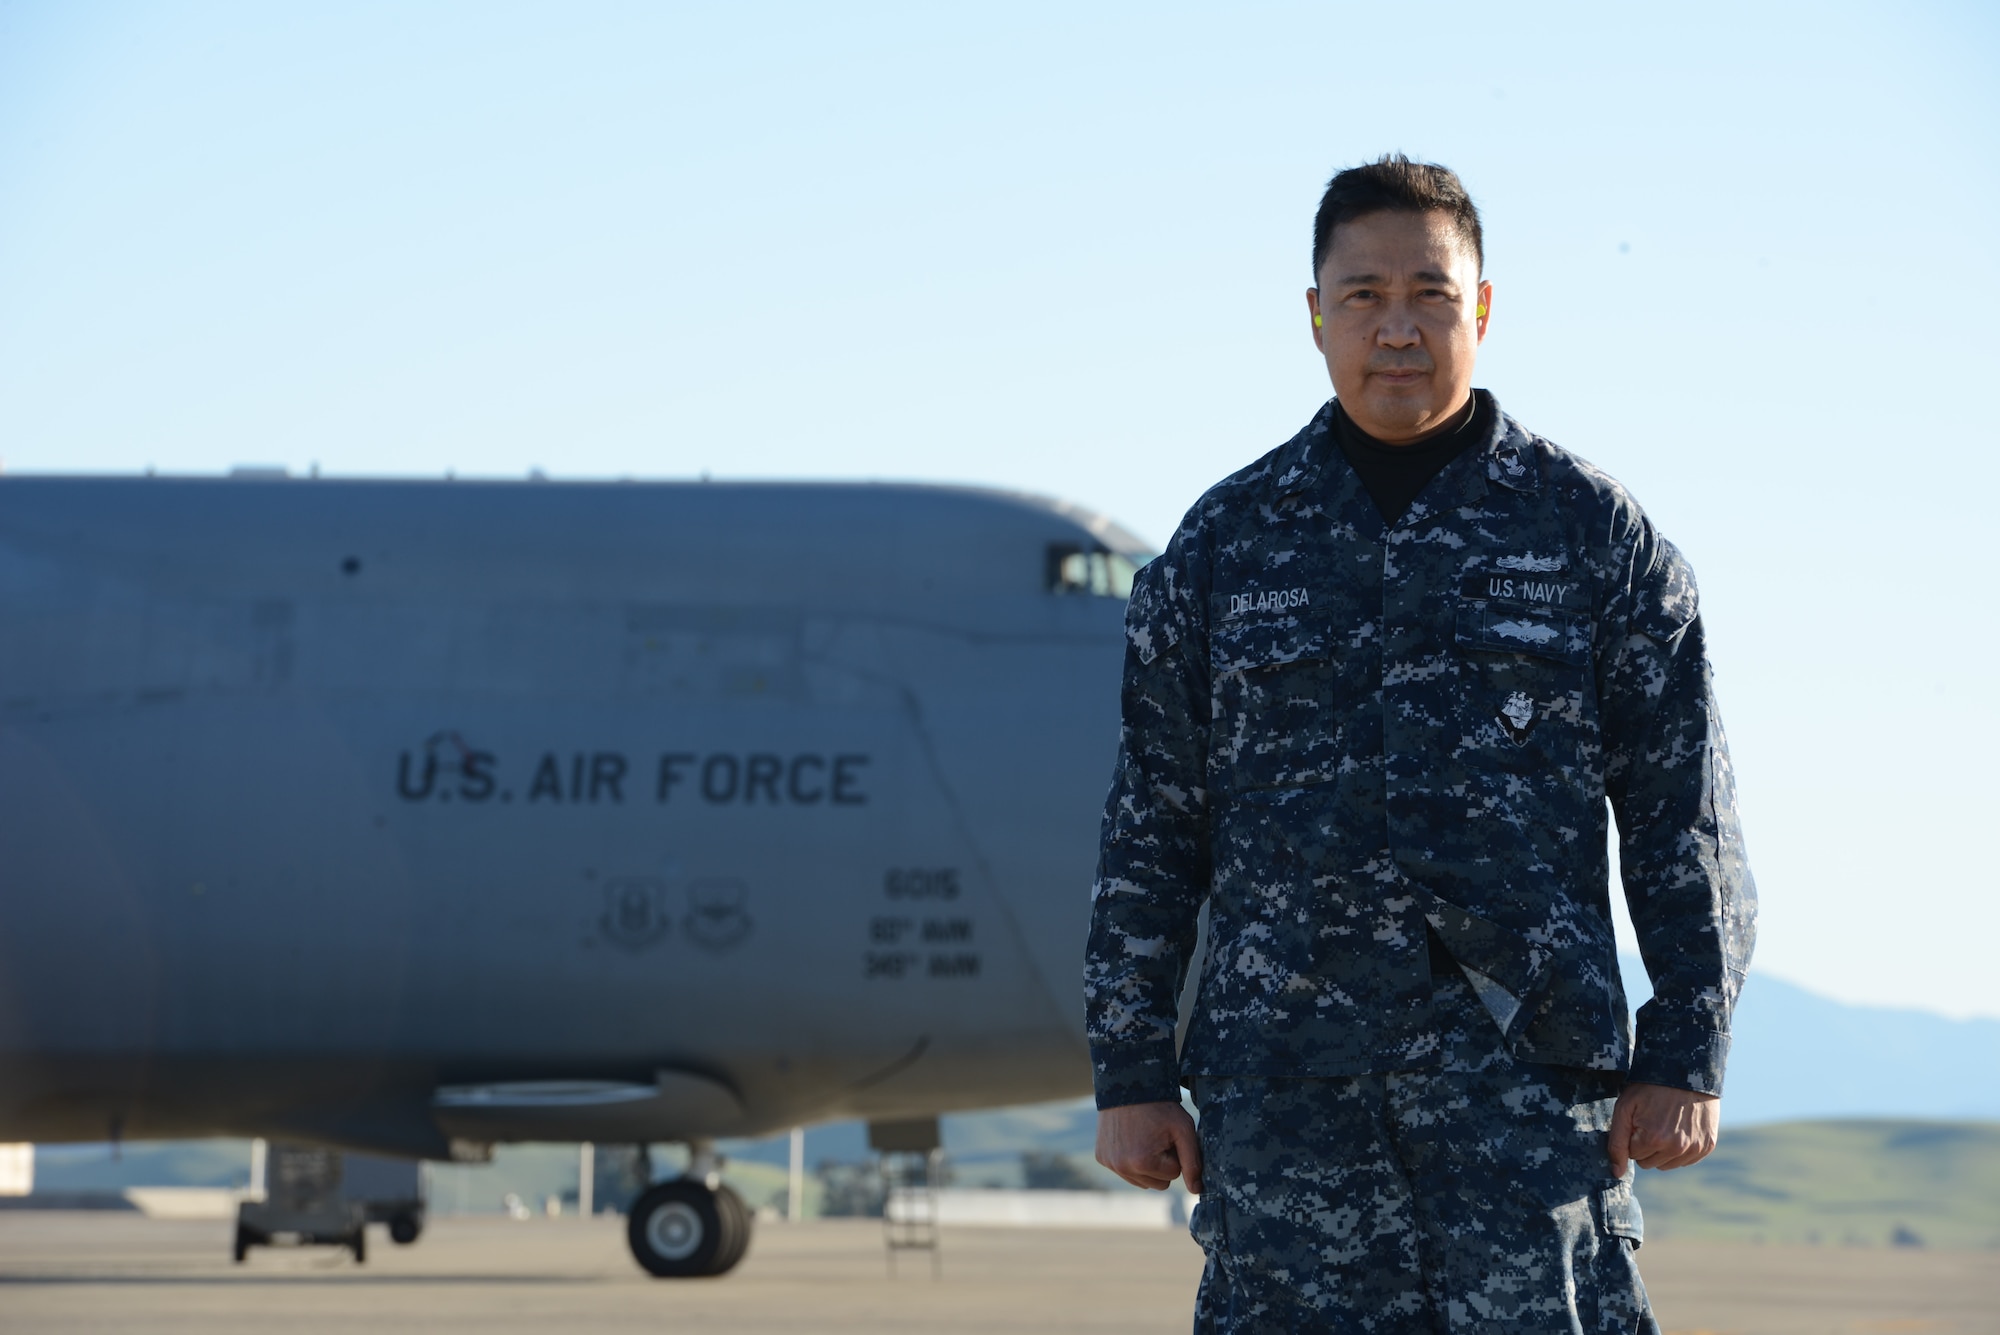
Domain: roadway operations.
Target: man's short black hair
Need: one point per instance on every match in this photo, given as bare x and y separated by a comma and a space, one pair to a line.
1394, 184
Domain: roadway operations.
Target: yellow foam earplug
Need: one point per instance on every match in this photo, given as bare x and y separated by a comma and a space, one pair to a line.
1316, 324
1482, 311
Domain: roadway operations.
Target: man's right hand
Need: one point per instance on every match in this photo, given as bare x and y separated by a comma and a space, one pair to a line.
1149, 1145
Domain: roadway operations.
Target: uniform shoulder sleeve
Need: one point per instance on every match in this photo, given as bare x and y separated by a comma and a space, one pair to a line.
1152, 623
1668, 774
1152, 872
1665, 600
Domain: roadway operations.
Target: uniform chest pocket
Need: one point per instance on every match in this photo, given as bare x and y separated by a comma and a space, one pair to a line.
1275, 704
1525, 685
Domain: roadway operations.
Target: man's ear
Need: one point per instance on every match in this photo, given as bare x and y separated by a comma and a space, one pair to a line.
1485, 307
1312, 306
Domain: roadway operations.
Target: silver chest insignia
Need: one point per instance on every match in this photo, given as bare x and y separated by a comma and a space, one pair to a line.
1518, 716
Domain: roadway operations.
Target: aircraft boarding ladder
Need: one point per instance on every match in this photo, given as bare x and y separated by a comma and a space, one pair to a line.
912, 1164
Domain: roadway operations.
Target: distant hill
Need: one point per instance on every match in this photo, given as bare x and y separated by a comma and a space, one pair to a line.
1851, 1183
1797, 1054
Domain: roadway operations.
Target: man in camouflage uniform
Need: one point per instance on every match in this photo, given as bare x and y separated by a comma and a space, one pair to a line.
1377, 693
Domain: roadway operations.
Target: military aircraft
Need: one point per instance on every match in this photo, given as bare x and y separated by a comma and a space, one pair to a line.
411, 817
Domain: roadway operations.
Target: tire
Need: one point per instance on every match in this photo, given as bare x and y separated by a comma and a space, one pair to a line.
738, 1223
244, 1241
405, 1229
682, 1230
359, 1242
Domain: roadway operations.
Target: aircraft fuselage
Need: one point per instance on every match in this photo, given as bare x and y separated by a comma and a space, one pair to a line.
388, 813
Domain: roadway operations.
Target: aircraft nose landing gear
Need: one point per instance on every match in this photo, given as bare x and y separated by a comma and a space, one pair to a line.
686, 1228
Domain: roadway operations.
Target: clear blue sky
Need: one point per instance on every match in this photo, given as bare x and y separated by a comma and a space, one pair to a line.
1745, 260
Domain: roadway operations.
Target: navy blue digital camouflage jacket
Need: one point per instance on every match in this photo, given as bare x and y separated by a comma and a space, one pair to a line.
1337, 731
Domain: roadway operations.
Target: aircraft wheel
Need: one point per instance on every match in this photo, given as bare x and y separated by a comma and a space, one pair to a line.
359, 1242
737, 1236
679, 1230
244, 1241
404, 1229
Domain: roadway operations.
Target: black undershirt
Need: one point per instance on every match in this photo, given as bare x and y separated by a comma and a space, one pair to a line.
1394, 476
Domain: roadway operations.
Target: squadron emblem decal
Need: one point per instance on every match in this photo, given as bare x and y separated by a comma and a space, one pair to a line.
1518, 716
635, 913
640, 912
718, 918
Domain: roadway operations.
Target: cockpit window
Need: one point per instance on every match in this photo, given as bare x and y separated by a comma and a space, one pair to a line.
1093, 571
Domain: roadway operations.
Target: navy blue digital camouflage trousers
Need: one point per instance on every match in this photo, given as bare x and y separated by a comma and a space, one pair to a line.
1473, 1196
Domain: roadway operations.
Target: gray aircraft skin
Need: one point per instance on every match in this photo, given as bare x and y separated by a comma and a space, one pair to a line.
414, 816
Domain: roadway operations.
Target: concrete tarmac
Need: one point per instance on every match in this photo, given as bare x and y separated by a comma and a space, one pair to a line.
62, 1273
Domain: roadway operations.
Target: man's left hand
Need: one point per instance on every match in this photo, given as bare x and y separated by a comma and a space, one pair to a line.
1660, 1127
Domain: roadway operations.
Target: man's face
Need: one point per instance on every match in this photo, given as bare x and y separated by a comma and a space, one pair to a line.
1399, 324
